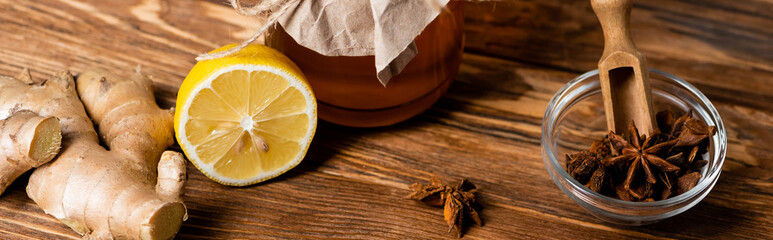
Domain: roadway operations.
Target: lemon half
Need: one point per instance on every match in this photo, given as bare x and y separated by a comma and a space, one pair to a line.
245, 118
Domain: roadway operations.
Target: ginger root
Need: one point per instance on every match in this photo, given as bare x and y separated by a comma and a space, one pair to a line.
27, 140
132, 190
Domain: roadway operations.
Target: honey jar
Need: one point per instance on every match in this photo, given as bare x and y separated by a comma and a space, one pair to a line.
348, 91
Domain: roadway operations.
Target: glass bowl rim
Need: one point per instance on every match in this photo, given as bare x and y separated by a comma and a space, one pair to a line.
705, 182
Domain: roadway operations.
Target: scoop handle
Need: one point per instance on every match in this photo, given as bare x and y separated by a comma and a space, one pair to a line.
623, 70
615, 18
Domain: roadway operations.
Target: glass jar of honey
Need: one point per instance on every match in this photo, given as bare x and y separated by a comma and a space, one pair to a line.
348, 91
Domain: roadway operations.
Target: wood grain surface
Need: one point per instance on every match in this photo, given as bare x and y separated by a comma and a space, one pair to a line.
353, 182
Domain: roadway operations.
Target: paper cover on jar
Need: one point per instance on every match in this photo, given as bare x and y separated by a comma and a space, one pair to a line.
382, 28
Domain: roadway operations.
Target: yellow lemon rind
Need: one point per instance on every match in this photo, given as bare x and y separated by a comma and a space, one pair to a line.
245, 60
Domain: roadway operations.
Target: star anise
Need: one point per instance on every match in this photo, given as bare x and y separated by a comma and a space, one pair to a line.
458, 201
692, 136
635, 167
640, 154
688, 132
587, 167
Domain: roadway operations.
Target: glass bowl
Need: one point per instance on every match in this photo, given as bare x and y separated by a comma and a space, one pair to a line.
575, 118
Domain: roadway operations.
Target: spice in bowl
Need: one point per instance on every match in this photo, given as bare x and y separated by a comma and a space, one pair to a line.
634, 167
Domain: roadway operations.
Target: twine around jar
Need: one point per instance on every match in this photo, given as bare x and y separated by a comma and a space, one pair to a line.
272, 10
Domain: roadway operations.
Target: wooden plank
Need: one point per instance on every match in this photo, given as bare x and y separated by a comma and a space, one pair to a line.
51, 36
487, 128
722, 47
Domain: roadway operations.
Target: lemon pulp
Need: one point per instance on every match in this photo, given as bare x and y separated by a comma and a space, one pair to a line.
245, 118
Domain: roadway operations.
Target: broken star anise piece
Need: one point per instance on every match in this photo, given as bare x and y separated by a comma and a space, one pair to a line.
586, 166
688, 181
458, 201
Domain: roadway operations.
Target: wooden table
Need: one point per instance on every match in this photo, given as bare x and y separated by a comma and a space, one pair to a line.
487, 128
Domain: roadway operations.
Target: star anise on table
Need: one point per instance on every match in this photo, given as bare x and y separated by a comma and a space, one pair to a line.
458, 201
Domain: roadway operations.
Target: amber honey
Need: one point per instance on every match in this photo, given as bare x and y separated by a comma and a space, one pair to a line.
348, 92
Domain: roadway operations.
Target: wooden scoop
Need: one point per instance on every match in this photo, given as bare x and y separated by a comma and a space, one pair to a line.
625, 83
